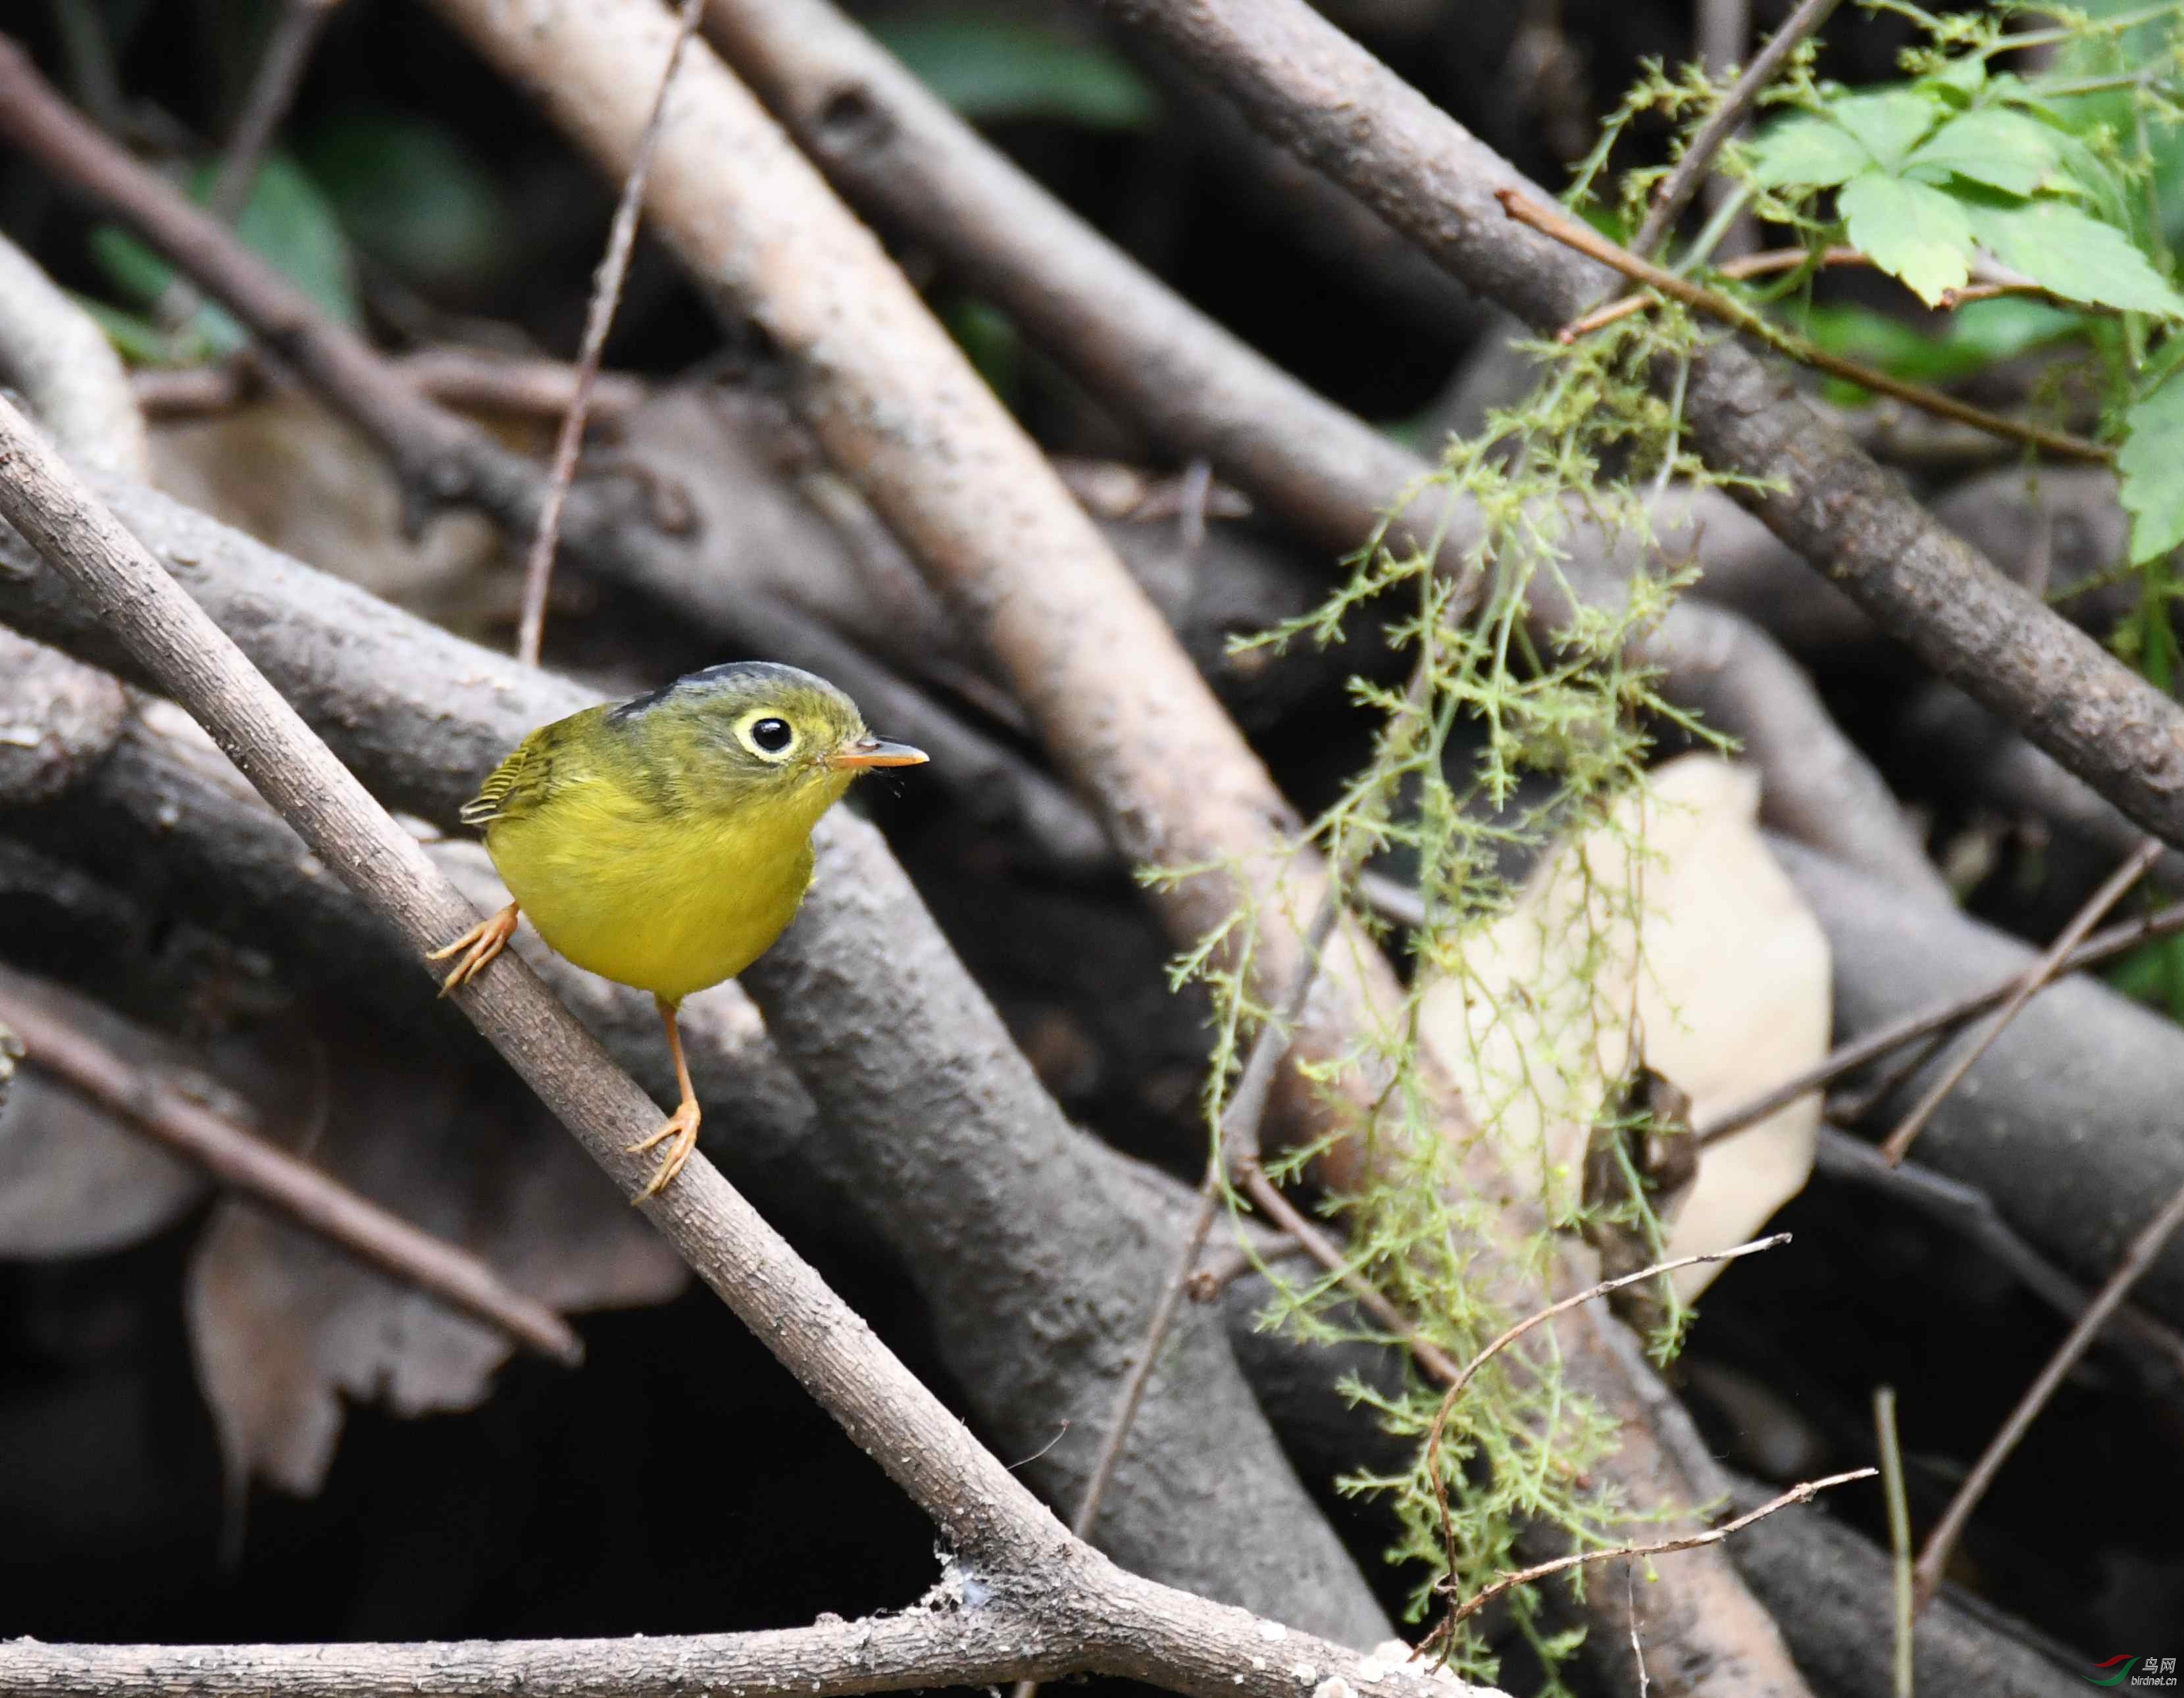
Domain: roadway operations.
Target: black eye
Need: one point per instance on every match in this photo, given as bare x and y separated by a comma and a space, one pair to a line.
772, 735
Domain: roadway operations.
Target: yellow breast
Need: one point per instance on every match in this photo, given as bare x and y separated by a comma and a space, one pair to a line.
670, 906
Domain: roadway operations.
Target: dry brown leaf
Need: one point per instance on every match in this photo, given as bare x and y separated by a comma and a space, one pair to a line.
1732, 997
284, 1327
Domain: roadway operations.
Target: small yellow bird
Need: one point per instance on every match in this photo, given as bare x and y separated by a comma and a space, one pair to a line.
665, 842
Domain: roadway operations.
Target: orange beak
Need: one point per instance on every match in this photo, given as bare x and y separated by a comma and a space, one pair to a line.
870, 751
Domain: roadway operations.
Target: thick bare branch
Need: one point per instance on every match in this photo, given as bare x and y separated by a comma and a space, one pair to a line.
61, 361
919, 1648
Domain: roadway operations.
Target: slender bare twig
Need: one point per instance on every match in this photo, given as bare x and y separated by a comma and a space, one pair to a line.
1221, 1268
1240, 1128
1237, 1142
1240, 1124
292, 1189
1899, 1529
2112, 891
2155, 1348
1438, 1431
1847, 1057
1745, 266
1802, 1493
1682, 183
272, 91
1582, 238
1942, 1540
598, 318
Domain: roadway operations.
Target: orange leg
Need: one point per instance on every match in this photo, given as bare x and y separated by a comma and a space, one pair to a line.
679, 1132
477, 946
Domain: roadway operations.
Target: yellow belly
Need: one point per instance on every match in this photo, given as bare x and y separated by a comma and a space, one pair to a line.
669, 908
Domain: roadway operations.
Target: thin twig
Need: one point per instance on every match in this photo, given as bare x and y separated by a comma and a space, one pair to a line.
1942, 1540
1582, 238
1763, 264
1802, 1493
272, 91
598, 318
1266, 1197
1899, 1527
293, 1190
1240, 1125
1237, 1142
2111, 891
1683, 182
2154, 1349
1435, 1433
1217, 1271
1637, 1645
1847, 1057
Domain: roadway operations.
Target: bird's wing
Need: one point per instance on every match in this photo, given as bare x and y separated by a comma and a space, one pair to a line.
516, 786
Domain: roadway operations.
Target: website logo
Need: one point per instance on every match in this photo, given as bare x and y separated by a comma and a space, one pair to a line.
2134, 1672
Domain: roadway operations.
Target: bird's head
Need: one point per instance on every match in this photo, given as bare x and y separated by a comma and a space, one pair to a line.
754, 733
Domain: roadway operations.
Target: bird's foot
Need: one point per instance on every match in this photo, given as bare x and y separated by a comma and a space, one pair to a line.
477, 947
679, 1132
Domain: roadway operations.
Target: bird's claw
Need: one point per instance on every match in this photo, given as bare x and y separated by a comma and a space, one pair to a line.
682, 1128
477, 946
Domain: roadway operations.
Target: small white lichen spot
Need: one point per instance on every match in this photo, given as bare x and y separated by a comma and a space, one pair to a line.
1272, 1631
1304, 1673
1369, 1671
1259, 1662
1334, 1686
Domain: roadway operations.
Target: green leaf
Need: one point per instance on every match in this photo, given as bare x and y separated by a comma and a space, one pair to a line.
136, 338
1806, 153
287, 222
2151, 466
1958, 80
408, 194
1911, 230
2003, 149
990, 338
992, 71
2066, 251
1890, 124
